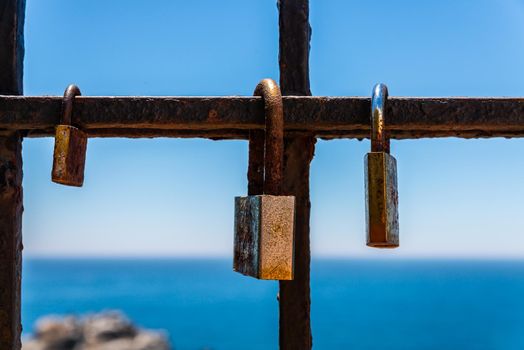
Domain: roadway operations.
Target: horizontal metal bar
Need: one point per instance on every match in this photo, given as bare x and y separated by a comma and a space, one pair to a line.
233, 117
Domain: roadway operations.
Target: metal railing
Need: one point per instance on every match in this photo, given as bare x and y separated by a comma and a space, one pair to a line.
306, 118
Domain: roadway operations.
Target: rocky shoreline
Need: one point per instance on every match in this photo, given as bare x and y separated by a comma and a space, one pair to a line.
109, 330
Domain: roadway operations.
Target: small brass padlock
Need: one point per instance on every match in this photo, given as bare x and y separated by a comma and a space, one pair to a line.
381, 179
264, 223
70, 145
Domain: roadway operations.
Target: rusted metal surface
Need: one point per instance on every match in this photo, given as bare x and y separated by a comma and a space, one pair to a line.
10, 241
382, 228
246, 257
11, 60
295, 34
294, 296
264, 236
12, 14
381, 200
264, 223
255, 169
68, 102
69, 155
233, 117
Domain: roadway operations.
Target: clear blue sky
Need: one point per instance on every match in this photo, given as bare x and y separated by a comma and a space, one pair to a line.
173, 197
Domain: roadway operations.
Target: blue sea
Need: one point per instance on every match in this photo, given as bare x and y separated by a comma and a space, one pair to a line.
203, 304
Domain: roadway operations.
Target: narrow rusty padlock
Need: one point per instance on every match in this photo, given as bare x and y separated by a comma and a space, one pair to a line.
264, 223
381, 179
70, 145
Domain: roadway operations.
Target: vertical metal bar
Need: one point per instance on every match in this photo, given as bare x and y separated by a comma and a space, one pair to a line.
255, 169
12, 14
294, 296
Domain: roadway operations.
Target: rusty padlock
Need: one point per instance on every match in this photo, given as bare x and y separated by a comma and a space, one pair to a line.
264, 223
70, 145
381, 179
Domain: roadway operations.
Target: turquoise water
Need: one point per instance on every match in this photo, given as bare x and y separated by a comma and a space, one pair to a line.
416, 304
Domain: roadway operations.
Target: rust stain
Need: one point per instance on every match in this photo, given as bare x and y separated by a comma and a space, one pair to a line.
69, 156
212, 116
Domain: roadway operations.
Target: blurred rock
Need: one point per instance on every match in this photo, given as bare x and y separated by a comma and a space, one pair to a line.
100, 328
103, 331
58, 333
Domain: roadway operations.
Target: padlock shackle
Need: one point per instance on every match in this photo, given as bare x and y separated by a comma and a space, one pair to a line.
274, 135
379, 140
67, 104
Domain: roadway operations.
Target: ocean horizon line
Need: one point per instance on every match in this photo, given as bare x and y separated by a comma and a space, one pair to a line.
313, 258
